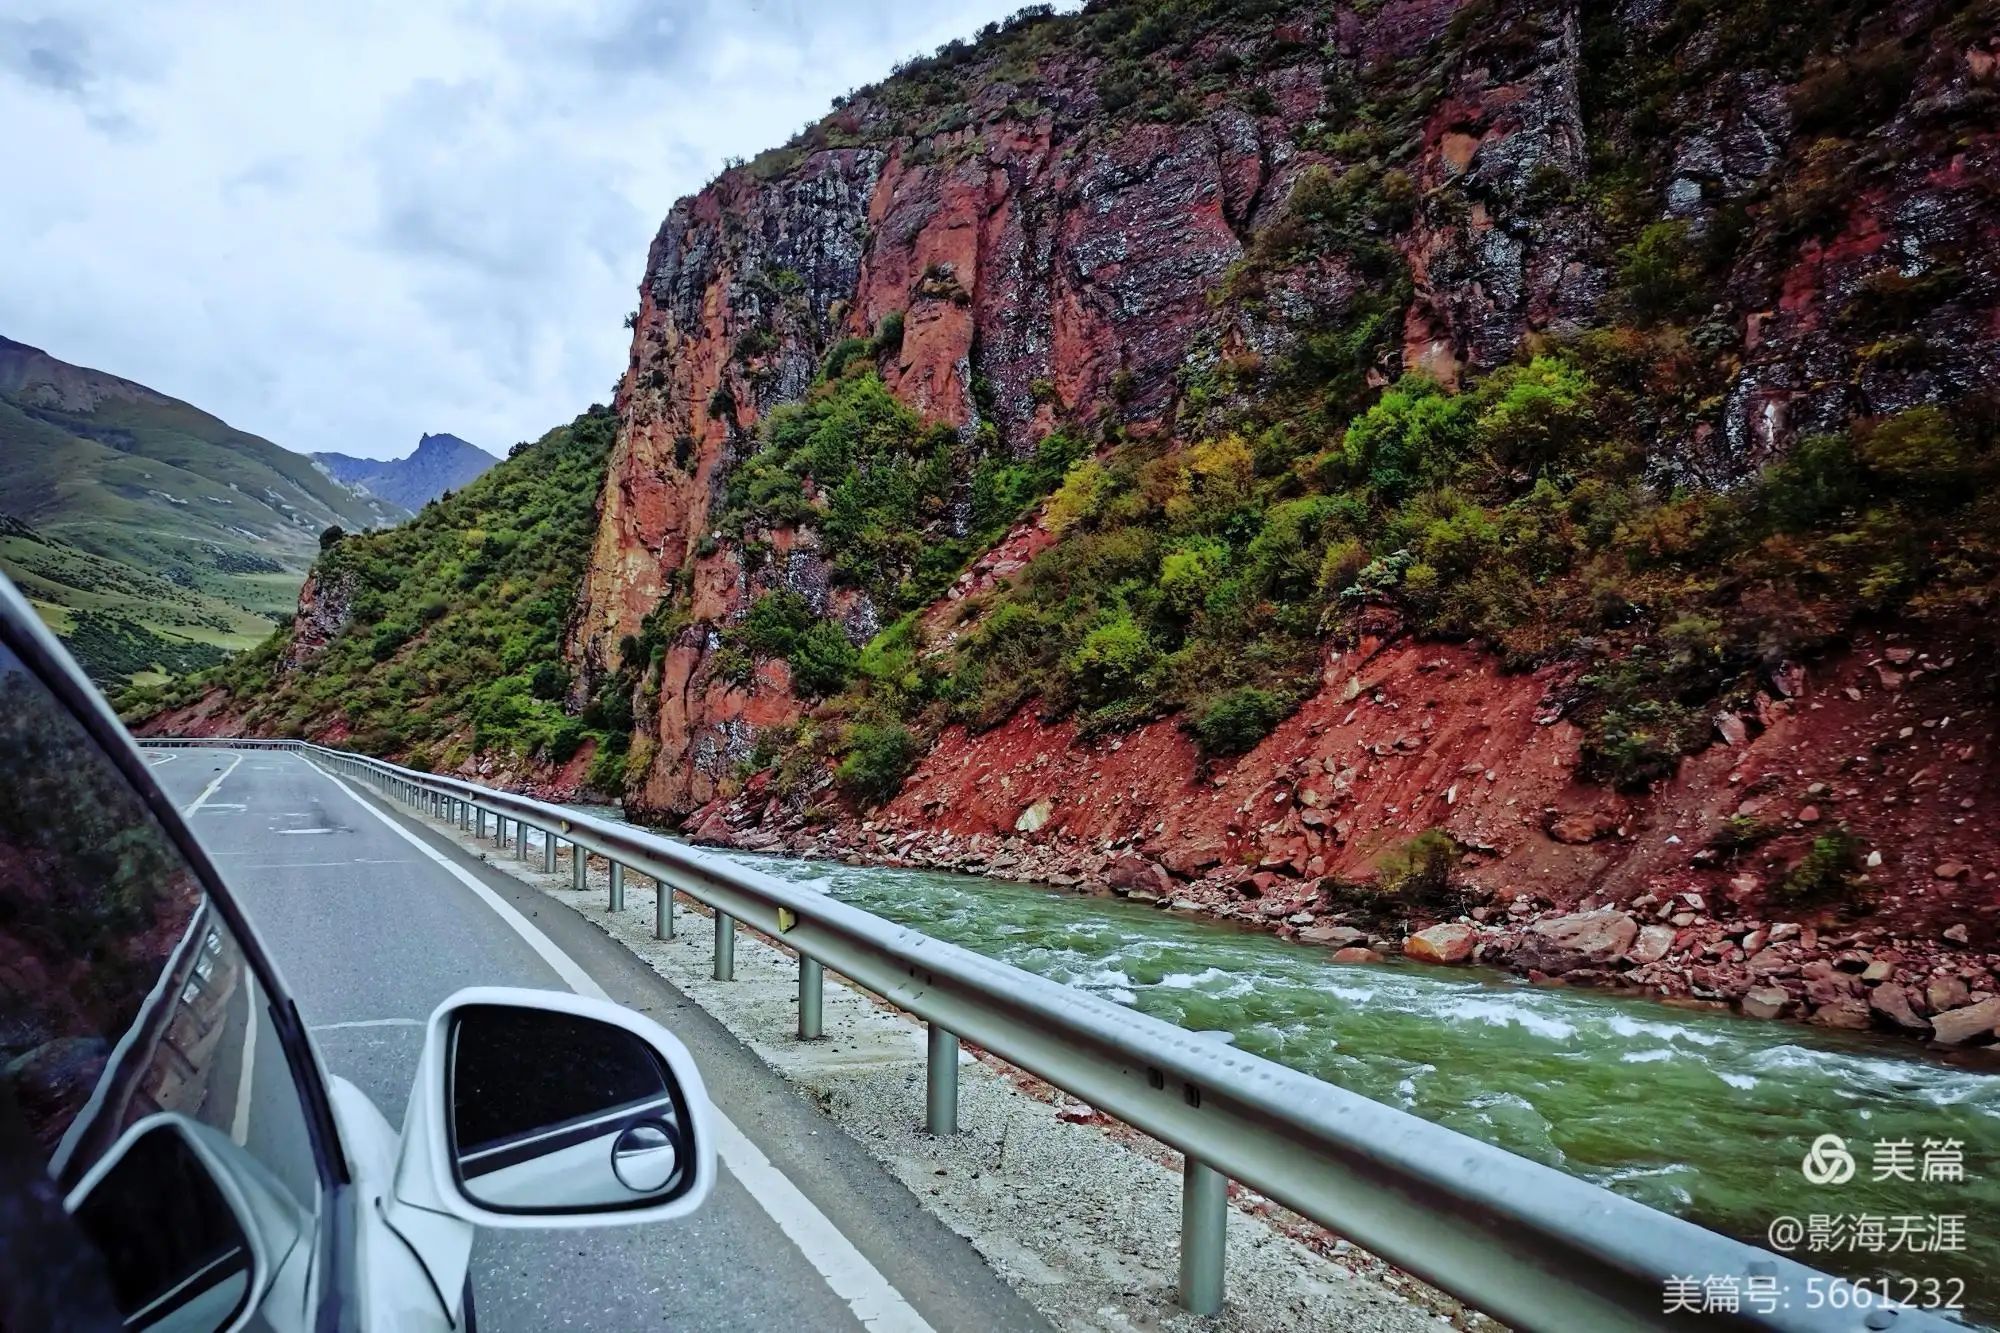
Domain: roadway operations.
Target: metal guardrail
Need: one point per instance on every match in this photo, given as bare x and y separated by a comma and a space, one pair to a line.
1523, 1242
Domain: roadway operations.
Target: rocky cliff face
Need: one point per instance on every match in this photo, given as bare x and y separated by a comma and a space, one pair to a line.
1069, 232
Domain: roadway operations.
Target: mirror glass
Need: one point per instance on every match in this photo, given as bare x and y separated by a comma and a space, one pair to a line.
173, 1247
558, 1113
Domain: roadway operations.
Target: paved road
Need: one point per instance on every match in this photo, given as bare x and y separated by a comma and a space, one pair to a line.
370, 928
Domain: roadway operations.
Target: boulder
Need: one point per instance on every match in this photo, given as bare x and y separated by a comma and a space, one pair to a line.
1893, 1002
1338, 936
1971, 1023
1356, 954
1561, 944
1851, 1015
1583, 826
1035, 816
1130, 871
1448, 943
1946, 992
1827, 984
1765, 1002
1652, 944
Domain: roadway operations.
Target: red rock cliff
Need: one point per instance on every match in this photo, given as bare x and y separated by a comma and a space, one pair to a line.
1053, 256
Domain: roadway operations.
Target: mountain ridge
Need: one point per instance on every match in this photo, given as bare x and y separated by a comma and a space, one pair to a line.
440, 463
149, 533
1381, 462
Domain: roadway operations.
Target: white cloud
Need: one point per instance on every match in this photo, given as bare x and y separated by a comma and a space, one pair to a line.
341, 225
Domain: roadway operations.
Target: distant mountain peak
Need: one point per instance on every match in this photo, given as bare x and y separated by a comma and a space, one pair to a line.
441, 462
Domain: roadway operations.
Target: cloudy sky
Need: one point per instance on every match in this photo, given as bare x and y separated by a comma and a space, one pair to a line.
341, 225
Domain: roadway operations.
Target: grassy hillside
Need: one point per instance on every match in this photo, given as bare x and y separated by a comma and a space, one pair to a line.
446, 631
151, 535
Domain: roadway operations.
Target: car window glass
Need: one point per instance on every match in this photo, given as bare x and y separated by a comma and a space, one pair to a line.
123, 993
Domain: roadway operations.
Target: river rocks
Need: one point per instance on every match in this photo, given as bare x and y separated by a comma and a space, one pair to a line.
1894, 1003
1951, 870
1581, 939
1448, 943
1974, 1022
1652, 944
1356, 954
1765, 1002
1338, 936
1130, 872
1826, 984
1946, 992
1850, 1015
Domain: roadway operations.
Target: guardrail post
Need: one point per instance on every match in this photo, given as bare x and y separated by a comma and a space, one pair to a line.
579, 866
725, 946
941, 1083
617, 899
521, 840
663, 910
1204, 1236
478, 822
812, 990
548, 852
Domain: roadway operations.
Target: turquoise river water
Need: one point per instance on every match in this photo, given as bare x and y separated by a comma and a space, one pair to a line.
1699, 1113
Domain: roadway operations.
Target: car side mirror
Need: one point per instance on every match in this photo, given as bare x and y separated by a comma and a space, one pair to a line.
544, 1108
192, 1234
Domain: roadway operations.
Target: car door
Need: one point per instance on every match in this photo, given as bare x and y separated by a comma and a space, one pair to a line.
147, 1051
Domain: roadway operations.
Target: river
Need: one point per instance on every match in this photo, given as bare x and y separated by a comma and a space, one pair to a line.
1696, 1112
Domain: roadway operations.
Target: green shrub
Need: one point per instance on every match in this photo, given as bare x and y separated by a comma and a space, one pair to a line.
608, 767
773, 623
1235, 722
1418, 873
1661, 276
1537, 415
822, 660
1189, 571
1918, 449
843, 354
1634, 743
1085, 490
1827, 874
1412, 437
1112, 661
888, 338
879, 757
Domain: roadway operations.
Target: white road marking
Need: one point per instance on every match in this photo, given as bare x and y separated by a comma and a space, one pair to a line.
369, 1023
209, 790
239, 1127
223, 805
319, 865
877, 1304
160, 757
301, 832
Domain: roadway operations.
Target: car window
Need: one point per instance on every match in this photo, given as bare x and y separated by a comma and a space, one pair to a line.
123, 993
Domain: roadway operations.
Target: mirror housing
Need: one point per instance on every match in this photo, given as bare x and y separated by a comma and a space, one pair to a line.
550, 1109
195, 1234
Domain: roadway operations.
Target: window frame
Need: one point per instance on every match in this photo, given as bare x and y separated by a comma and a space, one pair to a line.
24, 635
